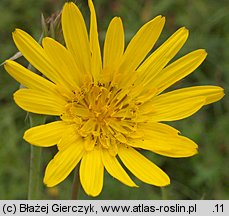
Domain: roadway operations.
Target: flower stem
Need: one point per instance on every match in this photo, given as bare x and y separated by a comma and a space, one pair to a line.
164, 193
34, 173
76, 184
35, 161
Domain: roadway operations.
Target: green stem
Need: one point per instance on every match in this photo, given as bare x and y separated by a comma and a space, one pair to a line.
34, 173
35, 161
164, 193
76, 184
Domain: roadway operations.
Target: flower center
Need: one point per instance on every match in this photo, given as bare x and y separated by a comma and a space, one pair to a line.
103, 115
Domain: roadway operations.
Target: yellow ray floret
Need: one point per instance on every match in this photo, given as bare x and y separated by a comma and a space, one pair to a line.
108, 107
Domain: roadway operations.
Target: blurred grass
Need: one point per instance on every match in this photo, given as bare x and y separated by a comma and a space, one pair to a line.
205, 176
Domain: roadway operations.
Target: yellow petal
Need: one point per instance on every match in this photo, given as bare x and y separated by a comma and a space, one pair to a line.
35, 54
171, 107
114, 168
91, 172
142, 168
39, 102
68, 72
178, 69
46, 135
76, 36
141, 44
62, 164
96, 62
159, 58
70, 136
28, 78
113, 47
164, 140
170, 146
181, 103
156, 127
211, 93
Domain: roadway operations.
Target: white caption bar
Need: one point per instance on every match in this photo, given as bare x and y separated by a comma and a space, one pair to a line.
115, 207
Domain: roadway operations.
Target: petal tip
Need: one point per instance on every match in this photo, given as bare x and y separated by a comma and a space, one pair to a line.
117, 18
185, 30
135, 186
25, 136
196, 151
165, 182
46, 183
68, 6
162, 19
14, 33
90, 3
15, 94
45, 40
6, 63
222, 91
92, 193
159, 18
203, 52
17, 31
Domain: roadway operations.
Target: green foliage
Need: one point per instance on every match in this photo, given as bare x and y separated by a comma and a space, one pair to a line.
204, 176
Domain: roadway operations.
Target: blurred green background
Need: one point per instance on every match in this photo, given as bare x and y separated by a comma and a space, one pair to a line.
204, 176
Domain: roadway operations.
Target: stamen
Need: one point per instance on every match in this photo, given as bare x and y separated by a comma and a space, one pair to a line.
121, 138
87, 127
104, 115
113, 149
89, 142
117, 126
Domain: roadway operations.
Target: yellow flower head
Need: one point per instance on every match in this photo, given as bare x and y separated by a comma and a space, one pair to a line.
109, 107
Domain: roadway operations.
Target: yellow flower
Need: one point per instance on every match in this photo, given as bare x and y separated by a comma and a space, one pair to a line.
112, 107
